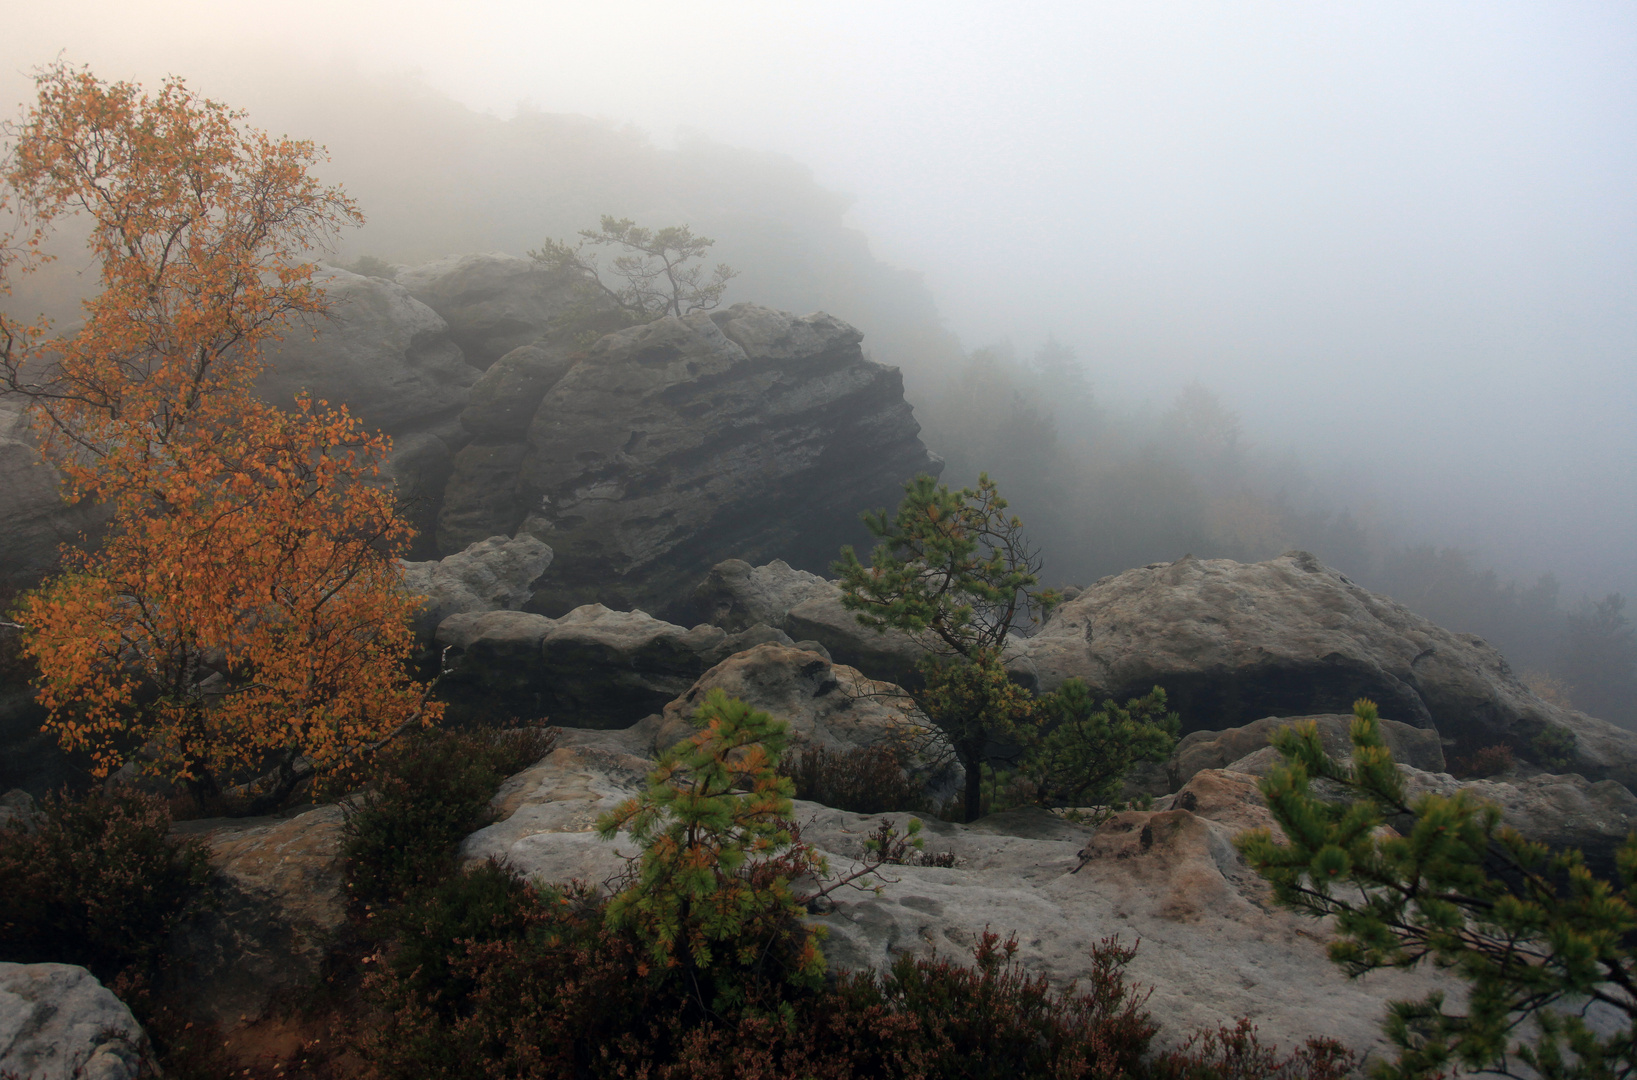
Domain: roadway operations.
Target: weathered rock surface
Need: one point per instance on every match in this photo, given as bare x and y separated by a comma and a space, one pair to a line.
668, 447
826, 705
1558, 811
489, 575
388, 356
493, 302
735, 594
391, 360
1420, 748
591, 668
282, 904
1232, 642
57, 1022
808, 608
1212, 945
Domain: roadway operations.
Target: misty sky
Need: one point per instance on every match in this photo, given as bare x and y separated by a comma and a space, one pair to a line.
1401, 237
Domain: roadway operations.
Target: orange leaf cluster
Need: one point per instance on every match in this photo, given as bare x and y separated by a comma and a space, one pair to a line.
246, 604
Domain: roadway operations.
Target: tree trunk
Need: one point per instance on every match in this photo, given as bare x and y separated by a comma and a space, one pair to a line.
974, 786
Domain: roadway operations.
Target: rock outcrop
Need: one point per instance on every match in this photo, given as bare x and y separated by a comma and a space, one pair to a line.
490, 575
1233, 642
493, 302
827, 705
57, 1022
392, 361
1213, 947
1419, 748
591, 668
668, 447
805, 606
282, 903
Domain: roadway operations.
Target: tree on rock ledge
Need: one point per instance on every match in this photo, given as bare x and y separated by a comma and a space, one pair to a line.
954, 571
246, 608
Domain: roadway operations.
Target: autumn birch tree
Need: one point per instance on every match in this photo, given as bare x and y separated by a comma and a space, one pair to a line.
245, 609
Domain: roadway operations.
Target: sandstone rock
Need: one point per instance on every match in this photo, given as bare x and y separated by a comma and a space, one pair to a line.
592, 668
282, 904
504, 399
827, 705
1417, 747
489, 575
545, 816
485, 501
492, 302
611, 668
1559, 811
1231, 642
34, 520
16, 808
383, 353
1213, 947
57, 1022
671, 446
492, 663
735, 594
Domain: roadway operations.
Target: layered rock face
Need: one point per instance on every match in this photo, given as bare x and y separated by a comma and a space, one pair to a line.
667, 447
493, 302
392, 361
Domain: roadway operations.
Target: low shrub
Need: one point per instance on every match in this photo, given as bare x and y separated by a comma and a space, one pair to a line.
96, 881
569, 996
1236, 1054
429, 793
1485, 761
868, 780
906, 848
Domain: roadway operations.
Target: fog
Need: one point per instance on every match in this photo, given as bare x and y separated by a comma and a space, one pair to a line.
1398, 240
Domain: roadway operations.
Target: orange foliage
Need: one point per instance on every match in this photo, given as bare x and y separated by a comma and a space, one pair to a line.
245, 540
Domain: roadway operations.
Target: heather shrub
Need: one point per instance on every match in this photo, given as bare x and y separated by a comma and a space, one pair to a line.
1485, 761
96, 881
907, 848
868, 780
1236, 1054
571, 996
429, 792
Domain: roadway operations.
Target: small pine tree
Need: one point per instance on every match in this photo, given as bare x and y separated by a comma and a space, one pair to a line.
1534, 933
711, 890
954, 571
1083, 761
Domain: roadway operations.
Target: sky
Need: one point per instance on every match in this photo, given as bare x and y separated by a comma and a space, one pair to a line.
1399, 237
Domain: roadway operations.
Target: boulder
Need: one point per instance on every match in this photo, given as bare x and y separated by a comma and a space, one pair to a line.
57, 1022
1560, 811
1233, 642
735, 594
489, 575
1417, 747
668, 447
282, 905
493, 302
827, 705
